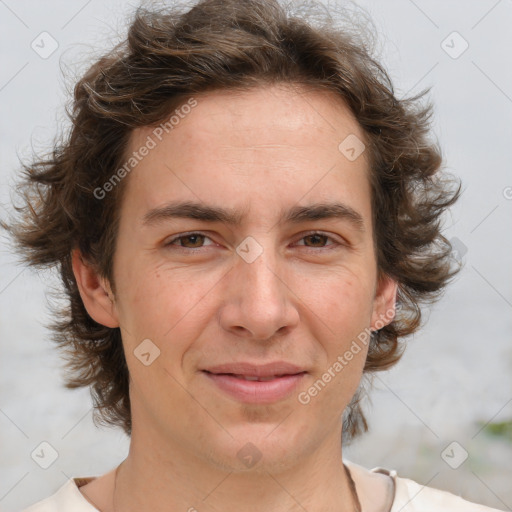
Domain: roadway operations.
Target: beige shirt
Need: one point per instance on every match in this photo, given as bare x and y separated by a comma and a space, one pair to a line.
402, 495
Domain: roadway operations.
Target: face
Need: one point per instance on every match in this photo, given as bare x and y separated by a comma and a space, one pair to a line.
278, 292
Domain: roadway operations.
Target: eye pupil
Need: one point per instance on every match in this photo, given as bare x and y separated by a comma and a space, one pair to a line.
318, 238
192, 237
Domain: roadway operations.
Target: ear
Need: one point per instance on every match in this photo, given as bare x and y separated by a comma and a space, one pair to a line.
384, 302
95, 291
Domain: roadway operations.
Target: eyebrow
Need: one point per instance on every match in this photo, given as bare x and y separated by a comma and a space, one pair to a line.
234, 217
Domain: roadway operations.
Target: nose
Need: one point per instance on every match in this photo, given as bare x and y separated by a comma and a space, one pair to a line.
260, 302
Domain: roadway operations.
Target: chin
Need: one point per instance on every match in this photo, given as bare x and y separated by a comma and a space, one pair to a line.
259, 448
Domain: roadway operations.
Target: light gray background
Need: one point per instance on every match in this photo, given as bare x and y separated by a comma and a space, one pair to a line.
456, 374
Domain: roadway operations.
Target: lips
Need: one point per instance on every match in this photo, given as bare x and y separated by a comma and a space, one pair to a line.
243, 369
256, 384
252, 377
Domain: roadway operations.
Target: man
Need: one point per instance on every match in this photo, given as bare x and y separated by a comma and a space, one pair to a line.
240, 206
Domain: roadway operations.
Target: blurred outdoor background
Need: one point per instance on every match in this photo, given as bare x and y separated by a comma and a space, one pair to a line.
443, 416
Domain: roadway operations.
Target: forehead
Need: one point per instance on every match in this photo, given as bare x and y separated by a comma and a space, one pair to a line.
275, 144
283, 109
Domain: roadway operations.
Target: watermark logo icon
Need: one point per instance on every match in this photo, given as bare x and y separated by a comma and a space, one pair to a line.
454, 45
146, 352
249, 455
44, 45
44, 455
249, 249
454, 455
351, 147
459, 248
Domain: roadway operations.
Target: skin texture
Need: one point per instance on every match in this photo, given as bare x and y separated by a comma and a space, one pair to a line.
302, 300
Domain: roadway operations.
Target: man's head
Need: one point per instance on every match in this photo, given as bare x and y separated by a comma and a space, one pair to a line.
262, 290
239, 106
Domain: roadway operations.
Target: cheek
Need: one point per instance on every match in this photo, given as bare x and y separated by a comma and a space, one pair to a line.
342, 314
332, 389
165, 304
341, 299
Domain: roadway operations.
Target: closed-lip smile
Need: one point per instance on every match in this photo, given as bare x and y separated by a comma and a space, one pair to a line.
256, 383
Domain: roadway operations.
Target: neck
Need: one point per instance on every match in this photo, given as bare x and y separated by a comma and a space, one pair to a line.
151, 479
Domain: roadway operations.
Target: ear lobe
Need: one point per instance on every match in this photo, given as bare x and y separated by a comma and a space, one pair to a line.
384, 302
94, 291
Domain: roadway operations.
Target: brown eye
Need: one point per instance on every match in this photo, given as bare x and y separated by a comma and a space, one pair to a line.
189, 241
317, 239
318, 242
195, 240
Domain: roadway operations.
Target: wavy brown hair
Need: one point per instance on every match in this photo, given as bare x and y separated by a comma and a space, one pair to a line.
174, 53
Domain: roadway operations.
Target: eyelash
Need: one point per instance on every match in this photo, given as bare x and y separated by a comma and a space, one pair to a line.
171, 242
